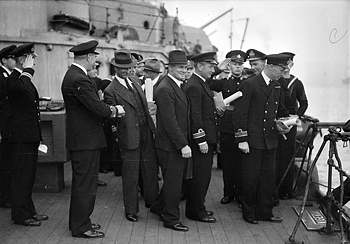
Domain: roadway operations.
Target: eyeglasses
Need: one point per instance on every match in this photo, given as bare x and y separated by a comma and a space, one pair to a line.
282, 67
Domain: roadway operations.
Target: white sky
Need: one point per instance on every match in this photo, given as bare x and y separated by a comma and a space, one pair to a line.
316, 31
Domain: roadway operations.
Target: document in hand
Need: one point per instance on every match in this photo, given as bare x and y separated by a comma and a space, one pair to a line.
221, 103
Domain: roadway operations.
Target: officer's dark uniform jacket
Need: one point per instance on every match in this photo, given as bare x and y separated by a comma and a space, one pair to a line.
4, 74
227, 87
24, 125
203, 112
255, 113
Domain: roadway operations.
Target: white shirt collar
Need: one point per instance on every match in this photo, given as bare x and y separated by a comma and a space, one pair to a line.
199, 76
178, 82
122, 81
7, 70
81, 67
266, 78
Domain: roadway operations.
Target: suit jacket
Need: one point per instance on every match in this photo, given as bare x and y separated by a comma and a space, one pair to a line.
203, 112
84, 111
255, 113
173, 113
127, 127
24, 113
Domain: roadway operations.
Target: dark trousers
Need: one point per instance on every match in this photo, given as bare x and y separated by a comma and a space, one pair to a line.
258, 182
199, 184
85, 164
231, 157
24, 157
110, 155
6, 168
144, 158
173, 165
284, 154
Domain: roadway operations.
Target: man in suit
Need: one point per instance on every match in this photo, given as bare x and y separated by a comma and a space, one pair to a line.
230, 153
24, 133
255, 129
135, 133
286, 148
7, 64
85, 137
204, 135
172, 140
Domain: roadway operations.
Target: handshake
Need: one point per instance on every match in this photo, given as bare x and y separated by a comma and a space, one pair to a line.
117, 111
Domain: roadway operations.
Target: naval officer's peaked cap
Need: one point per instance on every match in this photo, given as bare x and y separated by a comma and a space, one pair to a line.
85, 48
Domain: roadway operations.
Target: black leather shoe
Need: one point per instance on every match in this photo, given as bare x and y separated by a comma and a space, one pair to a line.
274, 219
276, 202
147, 205
177, 227
207, 219
105, 171
131, 217
95, 226
5, 205
91, 234
101, 183
226, 200
40, 217
28, 222
210, 213
159, 215
251, 221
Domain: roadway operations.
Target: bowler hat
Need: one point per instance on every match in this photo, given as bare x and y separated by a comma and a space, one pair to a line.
23, 50
208, 57
177, 57
278, 59
85, 48
4, 53
237, 56
254, 54
152, 65
123, 59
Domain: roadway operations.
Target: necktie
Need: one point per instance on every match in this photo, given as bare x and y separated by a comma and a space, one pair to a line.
128, 85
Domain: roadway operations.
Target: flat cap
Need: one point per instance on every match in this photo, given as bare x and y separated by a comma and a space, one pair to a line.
278, 59
85, 48
4, 53
208, 57
291, 55
24, 50
237, 56
152, 65
255, 55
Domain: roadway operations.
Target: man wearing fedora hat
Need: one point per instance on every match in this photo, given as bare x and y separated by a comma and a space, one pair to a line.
135, 133
172, 140
85, 137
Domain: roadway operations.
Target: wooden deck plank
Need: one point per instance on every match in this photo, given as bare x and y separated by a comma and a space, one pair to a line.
109, 212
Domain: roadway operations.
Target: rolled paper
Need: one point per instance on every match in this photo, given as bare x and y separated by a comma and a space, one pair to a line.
149, 89
291, 122
233, 97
